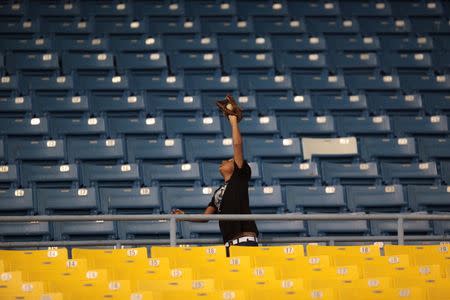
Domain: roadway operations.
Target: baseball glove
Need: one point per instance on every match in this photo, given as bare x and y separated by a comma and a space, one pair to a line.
229, 107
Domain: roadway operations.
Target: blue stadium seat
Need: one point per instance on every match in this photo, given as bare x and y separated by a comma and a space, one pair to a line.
265, 82
102, 82
394, 103
429, 198
247, 61
350, 60
154, 149
350, 173
279, 25
35, 44
300, 60
82, 149
24, 126
143, 229
110, 174
67, 25
407, 43
319, 9
170, 174
84, 230
122, 25
430, 25
410, 227
227, 25
15, 104
429, 82
433, 148
246, 101
189, 199
285, 173
133, 43
385, 25
253, 125
445, 171
315, 198
8, 82
266, 199
377, 125
35, 149
87, 62
440, 60
192, 125
155, 9
376, 198
2, 61
340, 103
338, 227
329, 147
357, 42
212, 81
77, 126
387, 148
288, 101
333, 25
211, 175
441, 227
190, 43
117, 103
13, 9
373, 81
264, 8
8, 174
281, 229
368, 9
318, 81
130, 200
194, 61
123, 125
195, 230
50, 175
417, 8
245, 43
260, 147
411, 173
81, 44
19, 26
111, 9
420, 125
50, 83
142, 61
208, 148
174, 25
25, 231
301, 42
2, 150
210, 8
402, 60
176, 102
16, 201
67, 201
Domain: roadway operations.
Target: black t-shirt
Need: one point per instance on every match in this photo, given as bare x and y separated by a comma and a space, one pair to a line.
232, 198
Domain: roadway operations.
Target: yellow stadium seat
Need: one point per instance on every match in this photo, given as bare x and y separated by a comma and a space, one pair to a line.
429, 272
120, 289
438, 293
28, 290
184, 256
20, 259
75, 281
10, 280
266, 251
261, 277
342, 272
425, 282
364, 250
326, 294
143, 295
373, 283
293, 267
394, 260
2, 266
213, 295
423, 250
176, 285
414, 293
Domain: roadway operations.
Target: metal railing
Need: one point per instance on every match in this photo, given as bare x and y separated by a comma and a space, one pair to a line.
173, 219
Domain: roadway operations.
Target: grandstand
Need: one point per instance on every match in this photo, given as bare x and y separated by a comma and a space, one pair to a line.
108, 122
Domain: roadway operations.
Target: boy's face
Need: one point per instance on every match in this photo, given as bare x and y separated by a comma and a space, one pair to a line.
226, 167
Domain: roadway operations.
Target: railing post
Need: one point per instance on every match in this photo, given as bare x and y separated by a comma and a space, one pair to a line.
400, 231
173, 231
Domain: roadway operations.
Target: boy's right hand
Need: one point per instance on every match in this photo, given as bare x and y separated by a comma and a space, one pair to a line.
177, 211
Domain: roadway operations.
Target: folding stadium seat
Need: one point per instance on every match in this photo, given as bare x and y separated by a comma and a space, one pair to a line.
184, 256
430, 198
245, 43
143, 229
16, 201
376, 125
122, 25
350, 173
49, 174
67, 25
322, 8
430, 25
373, 81
110, 174
385, 25
334, 251
196, 230
340, 103
432, 81
82, 45
2, 150
190, 199
350, 60
82, 149
194, 61
303, 42
388, 227
265, 82
387, 148
211, 175
358, 42
141, 61
440, 60
154, 149
279, 25
8, 174
422, 42
133, 43
24, 126
375, 198
433, 148
417, 8
413, 293
208, 148
287, 101
171, 173
300, 60
266, 199
15, 104
401, 60
281, 229
107, 82
50, 83
192, 125
194, 43
107, 9
12, 9
264, 8
227, 25
82, 230
329, 147
120, 102
333, 25
441, 228
77, 126
410, 173
318, 81
315, 198
35, 149
276, 148
253, 125
246, 101
128, 200
176, 102
371, 8
299, 173
95, 62
25, 231
254, 61
32, 260
136, 125
207, 81
395, 103
20, 25
8, 82
175, 25
445, 171
55, 201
